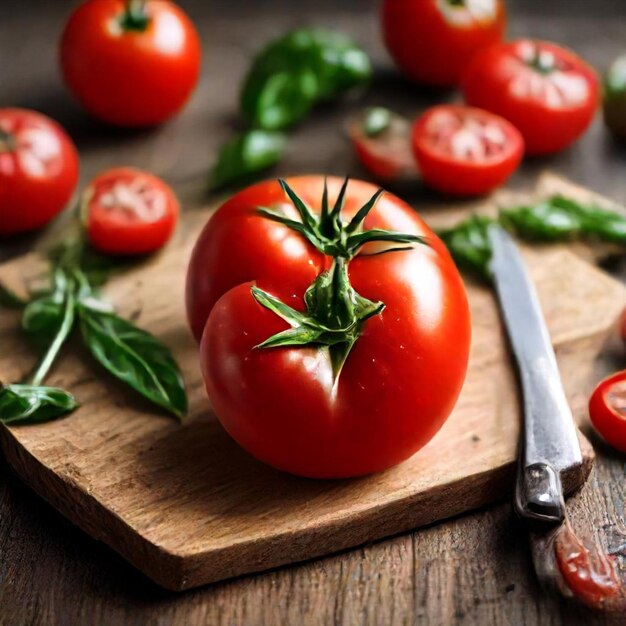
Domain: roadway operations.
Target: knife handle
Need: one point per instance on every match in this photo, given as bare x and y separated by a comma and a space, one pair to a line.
539, 494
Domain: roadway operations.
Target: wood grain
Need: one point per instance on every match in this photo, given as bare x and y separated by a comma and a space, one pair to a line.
186, 506
471, 570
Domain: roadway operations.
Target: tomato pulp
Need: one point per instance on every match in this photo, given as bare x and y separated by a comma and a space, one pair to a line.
288, 405
465, 151
127, 211
432, 41
38, 170
130, 63
548, 92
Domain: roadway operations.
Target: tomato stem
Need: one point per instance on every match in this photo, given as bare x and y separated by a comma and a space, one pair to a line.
328, 232
135, 16
7, 141
334, 315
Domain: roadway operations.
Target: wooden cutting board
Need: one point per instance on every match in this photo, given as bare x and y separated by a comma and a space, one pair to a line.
187, 506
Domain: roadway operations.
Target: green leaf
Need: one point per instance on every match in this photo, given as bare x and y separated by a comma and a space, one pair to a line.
297, 70
468, 243
10, 300
43, 315
33, 404
562, 219
245, 155
135, 357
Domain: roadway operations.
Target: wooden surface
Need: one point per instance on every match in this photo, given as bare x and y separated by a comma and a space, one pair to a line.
472, 570
187, 507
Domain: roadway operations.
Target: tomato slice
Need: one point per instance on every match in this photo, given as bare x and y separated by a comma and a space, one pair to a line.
129, 211
607, 410
464, 150
382, 143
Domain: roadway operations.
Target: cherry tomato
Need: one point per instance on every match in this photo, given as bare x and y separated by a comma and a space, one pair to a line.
127, 211
38, 170
465, 151
607, 409
547, 91
131, 63
284, 405
382, 143
432, 41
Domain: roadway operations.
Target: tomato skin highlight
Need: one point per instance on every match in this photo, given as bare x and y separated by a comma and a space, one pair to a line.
38, 170
607, 420
499, 80
117, 231
130, 78
428, 46
462, 176
402, 377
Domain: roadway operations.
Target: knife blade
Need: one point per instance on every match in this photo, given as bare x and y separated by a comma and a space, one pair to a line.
549, 446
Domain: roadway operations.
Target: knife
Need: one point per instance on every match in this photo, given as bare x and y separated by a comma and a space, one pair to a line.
549, 452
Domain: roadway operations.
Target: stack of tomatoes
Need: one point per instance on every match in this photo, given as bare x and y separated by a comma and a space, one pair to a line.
525, 97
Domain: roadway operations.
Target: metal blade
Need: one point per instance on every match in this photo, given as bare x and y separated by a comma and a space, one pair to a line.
550, 444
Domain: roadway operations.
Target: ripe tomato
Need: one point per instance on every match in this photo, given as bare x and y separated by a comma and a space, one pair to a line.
127, 211
607, 409
465, 151
38, 170
432, 41
381, 141
130, 63
287, 405
548, 92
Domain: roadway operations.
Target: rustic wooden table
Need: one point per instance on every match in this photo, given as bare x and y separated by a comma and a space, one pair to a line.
471, 570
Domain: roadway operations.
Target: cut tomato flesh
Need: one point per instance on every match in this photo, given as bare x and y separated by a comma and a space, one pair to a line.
466, 138
132, 200
616, 398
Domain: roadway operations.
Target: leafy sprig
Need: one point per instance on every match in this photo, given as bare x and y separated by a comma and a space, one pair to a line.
48, 317
556, 218
286, 80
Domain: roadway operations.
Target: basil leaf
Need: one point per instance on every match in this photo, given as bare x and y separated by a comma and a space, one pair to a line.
245, 155
559, 218
10, 300
33, 404
43, 316
312, 65
468, 243
135, 357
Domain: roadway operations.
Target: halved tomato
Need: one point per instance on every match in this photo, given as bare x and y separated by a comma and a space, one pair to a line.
128, 211
607, 410
465, 151
382, 143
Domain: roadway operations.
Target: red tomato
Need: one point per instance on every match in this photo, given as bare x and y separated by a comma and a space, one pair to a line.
127, 211
548, 92
432, 41
384, 148
465, 151
607, 409
38, 170
403, 374
130, 63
